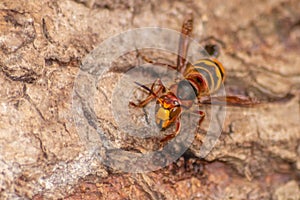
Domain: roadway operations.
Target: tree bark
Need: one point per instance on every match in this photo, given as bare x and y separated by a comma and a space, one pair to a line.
44, 46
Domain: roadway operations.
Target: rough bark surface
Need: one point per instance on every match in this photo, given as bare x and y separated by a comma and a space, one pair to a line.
42, 45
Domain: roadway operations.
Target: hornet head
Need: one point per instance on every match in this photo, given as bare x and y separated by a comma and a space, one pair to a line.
167, 110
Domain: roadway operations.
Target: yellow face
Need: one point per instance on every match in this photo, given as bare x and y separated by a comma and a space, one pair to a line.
167, 111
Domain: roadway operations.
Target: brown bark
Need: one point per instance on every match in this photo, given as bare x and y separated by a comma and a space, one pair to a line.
42, 156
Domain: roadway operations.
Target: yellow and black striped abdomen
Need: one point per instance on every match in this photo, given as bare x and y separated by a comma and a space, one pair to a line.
207, 75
